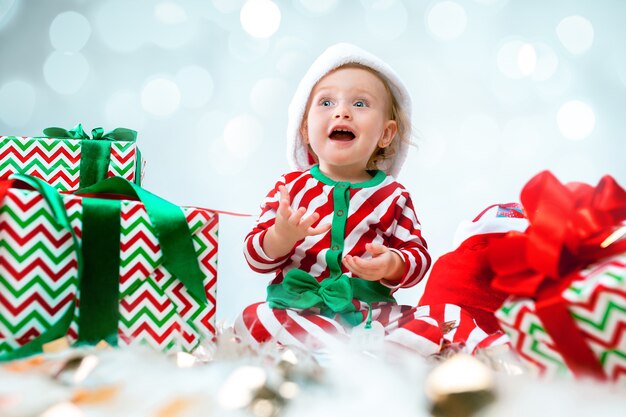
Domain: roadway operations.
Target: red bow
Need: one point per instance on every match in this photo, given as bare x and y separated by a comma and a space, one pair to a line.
568, 225
571, 227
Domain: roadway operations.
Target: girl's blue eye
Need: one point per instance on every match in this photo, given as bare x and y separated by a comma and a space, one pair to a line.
326, 103
360, 103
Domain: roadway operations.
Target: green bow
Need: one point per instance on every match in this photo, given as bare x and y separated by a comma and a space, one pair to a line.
332, 295
304, 291
95, 151
120, 134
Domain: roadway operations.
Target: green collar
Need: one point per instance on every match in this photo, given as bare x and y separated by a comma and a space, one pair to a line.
378, 178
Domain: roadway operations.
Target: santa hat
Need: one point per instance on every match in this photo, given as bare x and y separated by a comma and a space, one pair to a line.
334, 57
463, 277
497, 218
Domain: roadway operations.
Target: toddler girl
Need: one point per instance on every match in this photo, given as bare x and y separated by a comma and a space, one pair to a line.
340, 232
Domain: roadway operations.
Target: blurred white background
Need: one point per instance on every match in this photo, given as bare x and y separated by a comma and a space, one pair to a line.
501, 89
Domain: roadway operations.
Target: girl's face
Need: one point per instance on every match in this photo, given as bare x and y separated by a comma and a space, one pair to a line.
347, 120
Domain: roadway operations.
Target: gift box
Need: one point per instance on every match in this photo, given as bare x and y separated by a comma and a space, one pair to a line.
71, 159
596, 303
101, 266
566, 279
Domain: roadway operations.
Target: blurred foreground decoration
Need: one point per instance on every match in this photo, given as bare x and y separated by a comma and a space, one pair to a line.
280, 381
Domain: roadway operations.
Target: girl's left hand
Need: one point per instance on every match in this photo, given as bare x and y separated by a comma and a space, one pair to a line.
384, 264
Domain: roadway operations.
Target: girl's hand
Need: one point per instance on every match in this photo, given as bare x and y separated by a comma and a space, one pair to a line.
385, 264
291, 224
290, 227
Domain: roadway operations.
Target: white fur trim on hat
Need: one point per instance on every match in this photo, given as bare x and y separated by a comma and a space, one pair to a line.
334, 57
490, 221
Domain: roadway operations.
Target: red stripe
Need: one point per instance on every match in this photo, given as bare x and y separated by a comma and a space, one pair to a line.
177, 290
323, 323
310, 255
36, 232
36, 298
142, 239
160, 335
29, 335
437, 312
24, 203
491, 339
424, 329
38, 153
307, 194
370, 204
145, 295
207, 319
132, 209
254, 325
465, 326
408, 224
297, 331
48, 273
122, 159
138, 268
57, 176
384, 314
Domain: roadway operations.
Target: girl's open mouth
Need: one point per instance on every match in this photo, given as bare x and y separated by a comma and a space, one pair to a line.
341, 135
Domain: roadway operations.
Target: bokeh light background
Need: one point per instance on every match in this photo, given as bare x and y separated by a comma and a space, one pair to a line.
501, 89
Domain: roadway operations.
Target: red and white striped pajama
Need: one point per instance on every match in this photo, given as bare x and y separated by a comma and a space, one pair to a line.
377, 211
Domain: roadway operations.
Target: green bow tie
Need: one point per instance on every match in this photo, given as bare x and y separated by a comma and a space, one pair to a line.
332, 295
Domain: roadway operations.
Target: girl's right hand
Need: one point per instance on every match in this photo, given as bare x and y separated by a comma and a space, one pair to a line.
291, 224
290, 227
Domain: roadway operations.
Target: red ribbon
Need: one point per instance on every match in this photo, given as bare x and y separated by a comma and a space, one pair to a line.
568, 226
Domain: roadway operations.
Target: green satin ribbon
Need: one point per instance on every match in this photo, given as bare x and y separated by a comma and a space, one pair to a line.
59, 328
99, 289
332, 295
171, 229
95, 152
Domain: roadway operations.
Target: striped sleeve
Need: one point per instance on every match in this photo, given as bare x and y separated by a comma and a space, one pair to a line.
253, 244
407, 241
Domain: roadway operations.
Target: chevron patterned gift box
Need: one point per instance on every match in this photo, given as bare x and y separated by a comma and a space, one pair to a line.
566, 279
41, 287
597, 303
72, 159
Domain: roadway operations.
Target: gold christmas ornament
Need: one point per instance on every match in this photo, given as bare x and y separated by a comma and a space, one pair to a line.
459, 387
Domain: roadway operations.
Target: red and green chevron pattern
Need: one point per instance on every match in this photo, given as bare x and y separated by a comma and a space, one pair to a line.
38, 269
598, 305
57, 161
38, 272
